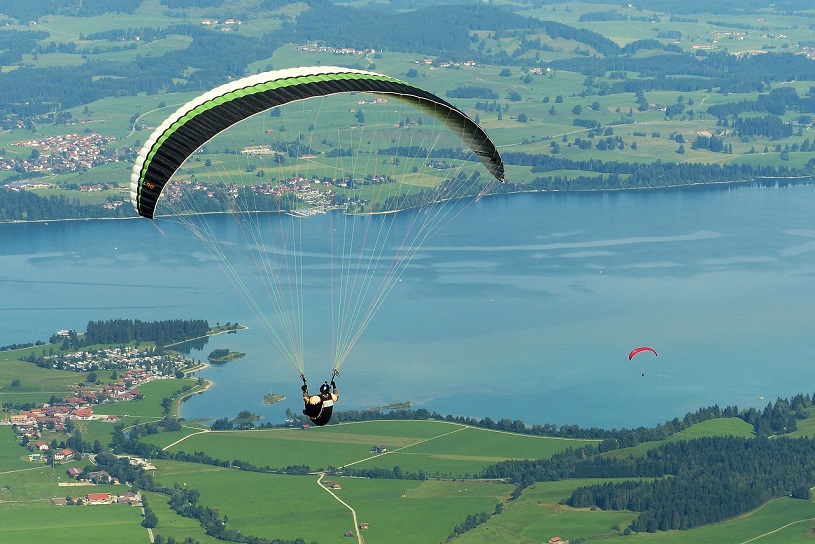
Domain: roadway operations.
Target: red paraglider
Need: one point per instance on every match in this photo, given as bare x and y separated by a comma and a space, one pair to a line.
640, 350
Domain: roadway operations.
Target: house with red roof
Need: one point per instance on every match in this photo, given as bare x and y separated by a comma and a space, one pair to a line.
64, 454
98, 498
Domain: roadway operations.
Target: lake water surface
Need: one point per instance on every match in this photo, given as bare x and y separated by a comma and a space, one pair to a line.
525, 307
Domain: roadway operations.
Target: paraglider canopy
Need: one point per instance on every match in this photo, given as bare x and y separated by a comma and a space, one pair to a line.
195, 123
278, 148
639, 350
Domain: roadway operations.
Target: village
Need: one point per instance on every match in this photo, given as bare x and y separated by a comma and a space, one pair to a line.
62, 153
131, 368
128, 358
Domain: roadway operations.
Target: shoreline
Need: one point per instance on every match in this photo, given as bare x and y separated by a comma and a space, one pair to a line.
204, 365
535, 191
184, 396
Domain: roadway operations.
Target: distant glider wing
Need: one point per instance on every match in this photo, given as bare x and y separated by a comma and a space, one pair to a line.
639, 350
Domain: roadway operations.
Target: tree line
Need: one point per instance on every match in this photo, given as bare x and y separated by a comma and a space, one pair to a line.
123, 331
25, 10
27, 206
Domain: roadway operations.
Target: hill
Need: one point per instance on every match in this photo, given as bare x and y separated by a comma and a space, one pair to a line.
590, 96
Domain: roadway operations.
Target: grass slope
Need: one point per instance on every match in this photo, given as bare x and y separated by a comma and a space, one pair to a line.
442, 448
35, 523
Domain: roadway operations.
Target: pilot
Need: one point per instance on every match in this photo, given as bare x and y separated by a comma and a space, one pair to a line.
319, 408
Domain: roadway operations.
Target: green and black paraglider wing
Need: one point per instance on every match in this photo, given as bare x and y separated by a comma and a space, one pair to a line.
201, 119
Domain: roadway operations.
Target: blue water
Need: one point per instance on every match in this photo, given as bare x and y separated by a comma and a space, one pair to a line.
525, 307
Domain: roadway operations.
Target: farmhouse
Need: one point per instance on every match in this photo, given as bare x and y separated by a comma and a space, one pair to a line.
99, 477
98, 498
131, 498
74, 472
381, 448
64, 454
332, 485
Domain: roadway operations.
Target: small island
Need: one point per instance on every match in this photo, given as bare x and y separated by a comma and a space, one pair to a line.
273, 398
395, 406
223, 355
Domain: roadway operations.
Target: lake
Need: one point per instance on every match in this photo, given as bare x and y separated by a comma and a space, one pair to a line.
524, 307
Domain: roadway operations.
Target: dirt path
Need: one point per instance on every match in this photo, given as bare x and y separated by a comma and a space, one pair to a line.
356, 530
790, 524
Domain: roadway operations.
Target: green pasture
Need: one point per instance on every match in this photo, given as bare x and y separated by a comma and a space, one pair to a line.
36, 384
287, 506
426, 511
780, 521
434, 447
163, 440
93, 430
12, 454
35, 523
537, 516
731, 426
466, 451
150, 406
41, 482
171, 524
277, 448
258, 504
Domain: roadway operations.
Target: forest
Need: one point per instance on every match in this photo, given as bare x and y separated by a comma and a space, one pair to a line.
28, 206
123, 331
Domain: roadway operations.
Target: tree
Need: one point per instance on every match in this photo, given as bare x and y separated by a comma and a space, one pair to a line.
15, 382
91, 377
505, 72
150, 519
577, 110
522, 118
803, 492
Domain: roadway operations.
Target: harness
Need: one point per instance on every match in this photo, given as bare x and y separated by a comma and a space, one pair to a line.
324, 403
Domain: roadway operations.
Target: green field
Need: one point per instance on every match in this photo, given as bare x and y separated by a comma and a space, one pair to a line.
438, 448
12, 456
150, 406
36, 384
274, 506
712, 427
38, 522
